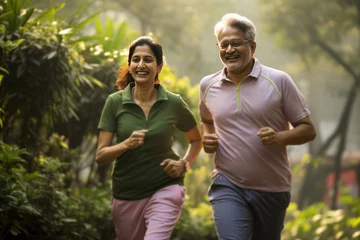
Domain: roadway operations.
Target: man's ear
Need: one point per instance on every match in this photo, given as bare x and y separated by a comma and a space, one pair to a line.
253, 48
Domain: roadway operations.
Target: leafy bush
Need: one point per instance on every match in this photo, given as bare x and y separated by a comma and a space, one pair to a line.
195, 223
319, 223
38, 204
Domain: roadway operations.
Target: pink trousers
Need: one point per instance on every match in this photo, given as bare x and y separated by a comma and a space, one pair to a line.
152, 218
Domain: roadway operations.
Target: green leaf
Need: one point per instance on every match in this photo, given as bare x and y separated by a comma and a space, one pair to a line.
4, 70
30, 209
64, 144
121, 32
16, 6
85, 22
79, 10
98, 26
66, 31
18, 42
69, 220
51, 55
6, 14
2, 28
49, 13
26, 16
21, 69
87, 39
14, 230
26, 3
95, 81
86, 80
109, 28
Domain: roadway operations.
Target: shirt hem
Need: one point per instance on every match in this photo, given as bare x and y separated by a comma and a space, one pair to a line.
147, 195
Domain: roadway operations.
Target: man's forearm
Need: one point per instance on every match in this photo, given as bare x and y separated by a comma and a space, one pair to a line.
207, 128
300, 134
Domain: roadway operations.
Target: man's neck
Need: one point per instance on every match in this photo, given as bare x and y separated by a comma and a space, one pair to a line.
238, 77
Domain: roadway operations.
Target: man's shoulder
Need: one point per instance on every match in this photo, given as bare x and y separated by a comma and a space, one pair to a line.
274, 74
270, 71
211, 78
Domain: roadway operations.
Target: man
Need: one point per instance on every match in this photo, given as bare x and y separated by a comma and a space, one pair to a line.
245, 111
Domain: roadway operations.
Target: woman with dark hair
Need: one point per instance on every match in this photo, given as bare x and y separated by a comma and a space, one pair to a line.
148, 176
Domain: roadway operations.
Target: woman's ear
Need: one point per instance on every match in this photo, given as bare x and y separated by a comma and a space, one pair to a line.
159, 68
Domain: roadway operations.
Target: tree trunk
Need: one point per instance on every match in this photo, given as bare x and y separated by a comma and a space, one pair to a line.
312, 175
341, 148
358, 179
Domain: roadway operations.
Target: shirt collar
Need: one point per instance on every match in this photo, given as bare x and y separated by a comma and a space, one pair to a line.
127, 96
255, 72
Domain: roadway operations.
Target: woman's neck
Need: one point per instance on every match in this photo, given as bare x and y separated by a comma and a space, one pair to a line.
143, 94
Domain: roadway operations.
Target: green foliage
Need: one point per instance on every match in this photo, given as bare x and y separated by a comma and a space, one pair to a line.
47, 67
15, 13
55, 84
38, 204
196, 223
6, 47
319, 223
181, 86
197, 180
109, 40
1, 114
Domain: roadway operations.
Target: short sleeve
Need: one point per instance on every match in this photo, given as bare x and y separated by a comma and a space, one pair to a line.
294, 105
107, 120
204, 112
185, 118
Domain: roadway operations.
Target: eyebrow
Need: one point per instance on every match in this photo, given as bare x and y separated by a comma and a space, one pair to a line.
146, 56
236, 39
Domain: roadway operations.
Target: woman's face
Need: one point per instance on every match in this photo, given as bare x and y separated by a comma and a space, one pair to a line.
143, 66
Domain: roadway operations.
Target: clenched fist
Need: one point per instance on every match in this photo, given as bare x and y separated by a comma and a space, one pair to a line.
136, 139
210, 142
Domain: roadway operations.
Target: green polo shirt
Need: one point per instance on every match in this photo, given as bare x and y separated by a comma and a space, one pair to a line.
137, 173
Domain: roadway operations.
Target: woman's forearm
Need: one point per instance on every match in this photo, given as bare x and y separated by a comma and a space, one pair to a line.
192, 151
108, 154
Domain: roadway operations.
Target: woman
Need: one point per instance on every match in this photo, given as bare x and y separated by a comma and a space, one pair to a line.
148, 191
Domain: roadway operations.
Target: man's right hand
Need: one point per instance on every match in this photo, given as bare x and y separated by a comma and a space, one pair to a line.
210, 142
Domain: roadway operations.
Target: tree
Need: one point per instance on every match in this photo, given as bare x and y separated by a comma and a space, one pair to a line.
43, 76
315, 31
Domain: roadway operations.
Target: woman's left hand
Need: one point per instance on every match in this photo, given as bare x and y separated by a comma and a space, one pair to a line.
173, 168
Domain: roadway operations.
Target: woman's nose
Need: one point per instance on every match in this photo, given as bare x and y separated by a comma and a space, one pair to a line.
141, 64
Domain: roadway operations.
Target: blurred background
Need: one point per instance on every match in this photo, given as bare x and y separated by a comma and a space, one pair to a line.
58, 63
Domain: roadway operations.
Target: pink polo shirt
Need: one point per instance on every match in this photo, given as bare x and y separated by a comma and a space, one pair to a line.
267, 97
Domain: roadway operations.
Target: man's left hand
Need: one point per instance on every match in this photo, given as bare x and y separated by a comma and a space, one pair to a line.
269, 136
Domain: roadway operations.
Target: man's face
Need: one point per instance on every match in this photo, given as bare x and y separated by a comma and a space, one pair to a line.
235, 51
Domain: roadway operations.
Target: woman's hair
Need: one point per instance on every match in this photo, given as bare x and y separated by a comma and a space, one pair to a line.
124, 76
236, 21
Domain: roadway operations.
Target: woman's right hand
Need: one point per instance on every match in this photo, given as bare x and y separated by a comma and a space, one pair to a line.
136, 139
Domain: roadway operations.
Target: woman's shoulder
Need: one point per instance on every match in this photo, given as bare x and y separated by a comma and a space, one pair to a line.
174, 97
116, 96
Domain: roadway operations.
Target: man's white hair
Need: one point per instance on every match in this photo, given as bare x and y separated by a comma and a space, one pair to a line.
236, 21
